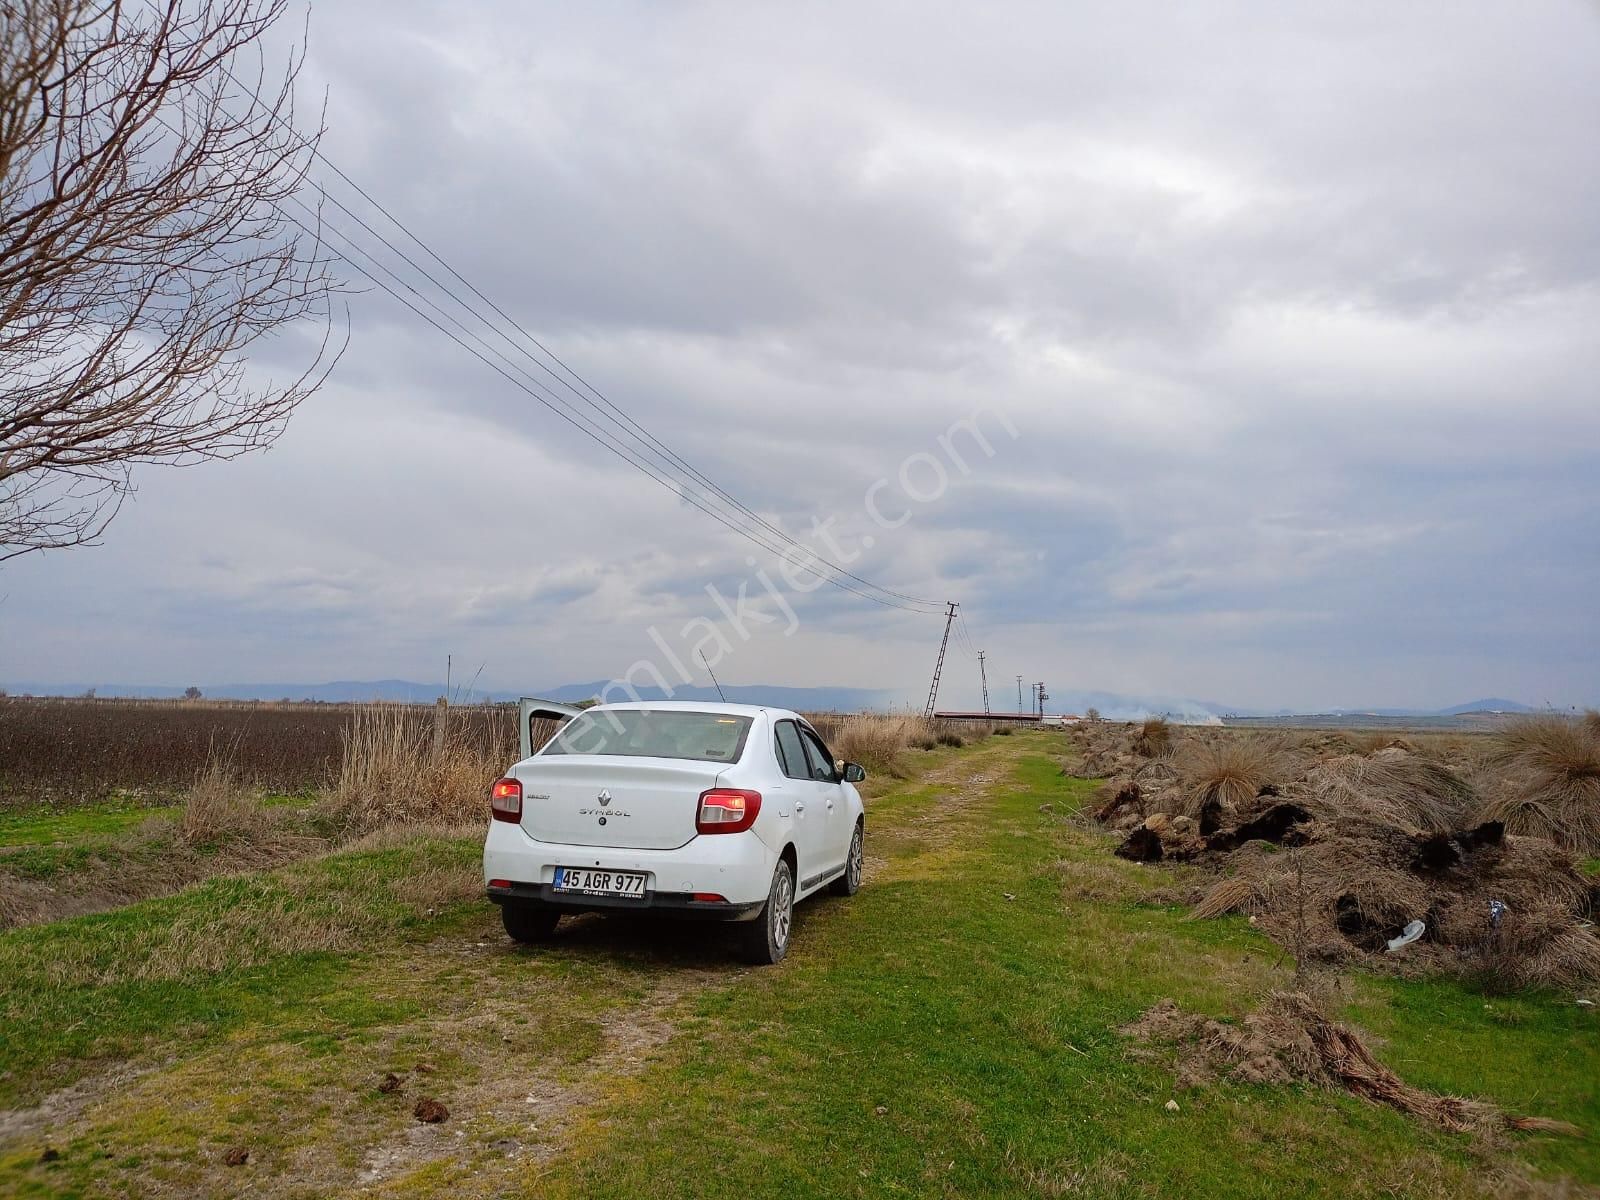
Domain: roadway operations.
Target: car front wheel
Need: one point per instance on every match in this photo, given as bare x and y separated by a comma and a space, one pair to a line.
765, 940
849, 883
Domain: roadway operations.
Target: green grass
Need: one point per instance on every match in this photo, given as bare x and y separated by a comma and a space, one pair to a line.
95, 823
985, 1031
86, 846
215, 957
1536, 1054
951, 1030
44, 827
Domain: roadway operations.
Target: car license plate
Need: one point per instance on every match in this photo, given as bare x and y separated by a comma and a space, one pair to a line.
592, 881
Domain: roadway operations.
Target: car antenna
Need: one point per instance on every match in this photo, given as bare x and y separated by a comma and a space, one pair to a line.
713, 675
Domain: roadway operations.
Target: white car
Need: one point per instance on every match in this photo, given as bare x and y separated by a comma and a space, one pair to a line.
723, 812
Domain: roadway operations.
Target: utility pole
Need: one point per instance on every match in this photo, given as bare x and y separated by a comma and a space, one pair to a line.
938, 667
1019, 695
984, 675
1043, 696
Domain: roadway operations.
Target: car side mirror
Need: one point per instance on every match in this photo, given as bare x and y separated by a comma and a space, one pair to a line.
854, 772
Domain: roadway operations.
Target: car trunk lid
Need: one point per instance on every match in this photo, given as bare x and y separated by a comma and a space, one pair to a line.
539, 721
612, 800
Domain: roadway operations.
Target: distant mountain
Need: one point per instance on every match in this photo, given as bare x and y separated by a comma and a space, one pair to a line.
1477, 706
1115, 706
1455, 710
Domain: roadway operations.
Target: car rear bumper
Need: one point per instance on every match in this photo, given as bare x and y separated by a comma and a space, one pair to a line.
736, 866
674, 904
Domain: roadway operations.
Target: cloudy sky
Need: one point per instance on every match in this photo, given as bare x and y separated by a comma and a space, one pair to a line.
1294, 310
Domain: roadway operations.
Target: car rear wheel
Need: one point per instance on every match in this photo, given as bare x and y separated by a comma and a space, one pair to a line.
849, 883
524, 923
765, 940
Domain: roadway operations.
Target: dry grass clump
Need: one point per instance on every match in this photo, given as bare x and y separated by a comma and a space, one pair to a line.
402, 765
875, 740
1347, 885
1218, 778
1105, 749
1374, 740
1289, 1039
1234, 894
1394, 787
1550, 784
1334, 861
878, 741
1154, 737
220, 808
1563, 955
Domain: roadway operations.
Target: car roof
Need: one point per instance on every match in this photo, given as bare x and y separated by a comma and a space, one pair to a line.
717, 708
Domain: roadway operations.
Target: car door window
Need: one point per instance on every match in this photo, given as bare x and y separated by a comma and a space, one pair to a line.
821, 761
791, 754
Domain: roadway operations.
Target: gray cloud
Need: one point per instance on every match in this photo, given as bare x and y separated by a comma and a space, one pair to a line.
1293, 310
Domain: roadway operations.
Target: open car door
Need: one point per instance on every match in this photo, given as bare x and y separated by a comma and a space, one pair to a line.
538, 721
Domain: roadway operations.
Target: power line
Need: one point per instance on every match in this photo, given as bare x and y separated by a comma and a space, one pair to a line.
964, 637
599, 437
669, 459
547, 399
595, 435
664, 456
584, 423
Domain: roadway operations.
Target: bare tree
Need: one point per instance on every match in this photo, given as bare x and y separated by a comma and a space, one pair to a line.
144, 247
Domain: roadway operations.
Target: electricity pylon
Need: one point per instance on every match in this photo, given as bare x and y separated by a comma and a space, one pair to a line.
938, 667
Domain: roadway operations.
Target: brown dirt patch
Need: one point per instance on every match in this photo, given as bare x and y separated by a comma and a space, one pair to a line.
533, 1105
65, 1105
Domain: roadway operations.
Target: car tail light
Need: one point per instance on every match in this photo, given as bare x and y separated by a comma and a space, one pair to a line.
505, 800
727, 810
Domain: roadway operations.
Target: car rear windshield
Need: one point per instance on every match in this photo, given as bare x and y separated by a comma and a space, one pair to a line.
654, 733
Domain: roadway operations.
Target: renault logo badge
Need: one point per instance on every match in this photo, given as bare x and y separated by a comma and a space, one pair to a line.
604, 797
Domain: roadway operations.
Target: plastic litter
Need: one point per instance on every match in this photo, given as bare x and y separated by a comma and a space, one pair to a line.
1497, 909
1409, 934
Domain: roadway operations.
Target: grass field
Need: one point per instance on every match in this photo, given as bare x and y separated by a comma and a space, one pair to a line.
952, 1030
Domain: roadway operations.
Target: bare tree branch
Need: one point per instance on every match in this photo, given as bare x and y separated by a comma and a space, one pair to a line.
143, 251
